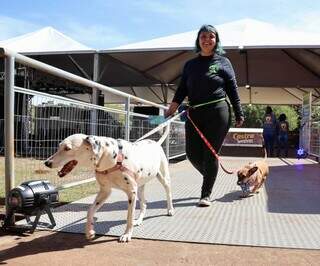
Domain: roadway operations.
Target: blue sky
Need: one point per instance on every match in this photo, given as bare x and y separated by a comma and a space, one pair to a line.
107, 23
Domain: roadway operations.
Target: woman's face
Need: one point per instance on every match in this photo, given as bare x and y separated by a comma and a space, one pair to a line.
207, 42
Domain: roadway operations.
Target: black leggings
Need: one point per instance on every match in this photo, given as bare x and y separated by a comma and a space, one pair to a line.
214, 121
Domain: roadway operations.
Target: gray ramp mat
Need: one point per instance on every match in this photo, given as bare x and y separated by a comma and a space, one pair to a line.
286, 213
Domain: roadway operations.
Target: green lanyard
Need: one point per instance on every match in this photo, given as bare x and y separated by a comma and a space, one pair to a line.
202, 104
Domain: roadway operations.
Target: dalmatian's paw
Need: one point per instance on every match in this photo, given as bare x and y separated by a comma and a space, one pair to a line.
90, 234
137, 222
171, 212
125, 238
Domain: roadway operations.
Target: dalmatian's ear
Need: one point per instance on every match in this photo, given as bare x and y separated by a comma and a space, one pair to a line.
67, 147
95, 145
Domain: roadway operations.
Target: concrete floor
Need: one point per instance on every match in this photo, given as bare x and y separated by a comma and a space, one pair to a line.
285, 214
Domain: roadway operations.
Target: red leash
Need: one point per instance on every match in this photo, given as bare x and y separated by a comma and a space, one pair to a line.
208, 144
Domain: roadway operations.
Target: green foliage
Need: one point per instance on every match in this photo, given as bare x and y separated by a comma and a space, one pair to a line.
78, 192
316, 113
290, 112
254, 115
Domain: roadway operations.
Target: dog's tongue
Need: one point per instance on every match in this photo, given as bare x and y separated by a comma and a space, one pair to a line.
67, 168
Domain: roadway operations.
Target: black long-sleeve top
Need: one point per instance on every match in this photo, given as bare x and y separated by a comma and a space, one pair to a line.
208, 78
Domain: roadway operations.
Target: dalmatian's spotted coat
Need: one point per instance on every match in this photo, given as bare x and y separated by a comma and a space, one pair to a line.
117, 164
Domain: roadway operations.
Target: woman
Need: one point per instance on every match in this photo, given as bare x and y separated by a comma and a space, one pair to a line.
206, 80
282, 135
269, 130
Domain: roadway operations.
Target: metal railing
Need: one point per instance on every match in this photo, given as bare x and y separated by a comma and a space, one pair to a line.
33, 130
315, 139
309, 138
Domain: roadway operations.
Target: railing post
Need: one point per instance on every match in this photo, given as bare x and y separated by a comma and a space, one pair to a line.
9, 126
127, 123
168, 142
95, 96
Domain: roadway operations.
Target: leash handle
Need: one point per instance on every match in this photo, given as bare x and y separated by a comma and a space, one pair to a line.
161, 126
168, 121
208, 144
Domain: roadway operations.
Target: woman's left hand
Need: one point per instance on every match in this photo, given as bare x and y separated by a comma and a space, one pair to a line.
239, 122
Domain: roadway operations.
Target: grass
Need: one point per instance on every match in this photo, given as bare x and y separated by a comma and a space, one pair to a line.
32, 169
78, 192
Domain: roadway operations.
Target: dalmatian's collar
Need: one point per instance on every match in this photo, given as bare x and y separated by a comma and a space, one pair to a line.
119, 166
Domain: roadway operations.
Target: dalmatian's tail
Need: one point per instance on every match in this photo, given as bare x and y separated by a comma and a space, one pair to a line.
161, 126
164, 136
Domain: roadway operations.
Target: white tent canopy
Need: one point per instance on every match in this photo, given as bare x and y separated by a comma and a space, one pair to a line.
241, 33
46, 39
55, 48
278, 64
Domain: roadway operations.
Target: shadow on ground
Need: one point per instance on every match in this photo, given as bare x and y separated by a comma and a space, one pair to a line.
294, 188
45, 244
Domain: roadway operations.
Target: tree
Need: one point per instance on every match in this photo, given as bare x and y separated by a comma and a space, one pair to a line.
254, 115
316, 113
291, 114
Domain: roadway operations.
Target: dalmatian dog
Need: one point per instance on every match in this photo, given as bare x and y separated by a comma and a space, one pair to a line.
117, 164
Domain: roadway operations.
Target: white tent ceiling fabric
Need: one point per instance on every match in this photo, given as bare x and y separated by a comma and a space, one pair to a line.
273, 96
153, 94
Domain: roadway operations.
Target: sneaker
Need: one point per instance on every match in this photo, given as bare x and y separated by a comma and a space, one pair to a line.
204, 202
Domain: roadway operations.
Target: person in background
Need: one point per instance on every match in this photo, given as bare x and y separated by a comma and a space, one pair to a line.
206, 80
282, 135
269, 130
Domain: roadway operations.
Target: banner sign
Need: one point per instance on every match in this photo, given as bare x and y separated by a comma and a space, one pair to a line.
246, 137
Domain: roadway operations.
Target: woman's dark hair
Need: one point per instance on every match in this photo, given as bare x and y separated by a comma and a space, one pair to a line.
268, 110
282, 117
209, 28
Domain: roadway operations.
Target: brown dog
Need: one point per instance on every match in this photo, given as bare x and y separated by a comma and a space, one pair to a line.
253, 175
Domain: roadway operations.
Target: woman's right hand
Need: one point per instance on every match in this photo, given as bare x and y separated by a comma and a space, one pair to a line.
172, 108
